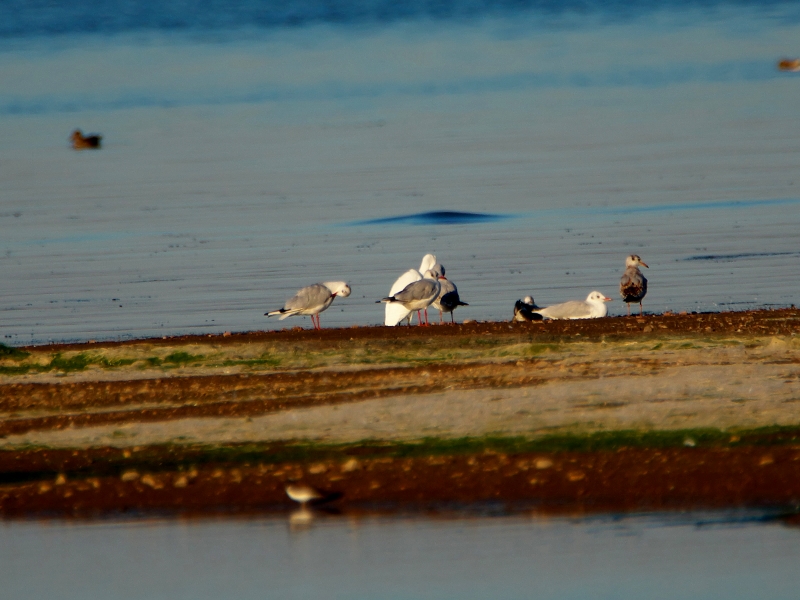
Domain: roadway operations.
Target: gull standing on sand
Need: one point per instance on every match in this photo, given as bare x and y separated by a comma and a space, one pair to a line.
418, 295
523, 310
592, 308
396, 312
633, 285
448, 299
312, 300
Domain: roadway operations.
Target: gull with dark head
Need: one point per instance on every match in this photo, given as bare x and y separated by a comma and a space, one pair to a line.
523, 310
312, 300
593, 307
633, 285
417, 295
448, 299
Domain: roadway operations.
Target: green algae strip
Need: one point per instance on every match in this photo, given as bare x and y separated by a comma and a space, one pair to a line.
267, 357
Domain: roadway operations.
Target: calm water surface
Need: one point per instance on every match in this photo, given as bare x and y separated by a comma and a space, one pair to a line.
251, 149
654, 556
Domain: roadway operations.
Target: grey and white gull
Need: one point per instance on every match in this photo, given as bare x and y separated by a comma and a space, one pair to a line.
312, 300
593, 307
417, 295
448, 299
396, 312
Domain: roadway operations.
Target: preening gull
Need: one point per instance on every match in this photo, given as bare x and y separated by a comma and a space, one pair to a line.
523, 310
448, 299
417, 295
633, 285
312, 300
396, 312
592, 308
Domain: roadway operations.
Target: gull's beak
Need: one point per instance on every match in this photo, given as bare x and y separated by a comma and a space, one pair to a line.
607, 299
643, 264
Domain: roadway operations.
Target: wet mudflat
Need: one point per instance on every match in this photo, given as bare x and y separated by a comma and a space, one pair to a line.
665, 412
760, 472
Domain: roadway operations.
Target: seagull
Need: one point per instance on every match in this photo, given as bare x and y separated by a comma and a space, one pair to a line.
81, 142
591, 308
448, 299
633, 285
417, 295
312, 300
396, 312
523, 310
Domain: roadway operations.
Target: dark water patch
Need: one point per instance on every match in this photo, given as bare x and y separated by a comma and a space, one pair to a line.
23, 18
733, 257
436, 217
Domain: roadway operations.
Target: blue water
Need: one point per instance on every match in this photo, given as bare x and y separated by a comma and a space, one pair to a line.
22, 18
691, 556
252, 148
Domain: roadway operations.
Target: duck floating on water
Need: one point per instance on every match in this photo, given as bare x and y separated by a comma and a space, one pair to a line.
85, 142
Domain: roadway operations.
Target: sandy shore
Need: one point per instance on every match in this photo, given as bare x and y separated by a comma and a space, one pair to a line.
735, 374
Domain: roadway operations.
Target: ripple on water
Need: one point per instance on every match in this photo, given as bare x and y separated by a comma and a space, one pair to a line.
741, 255
437, 217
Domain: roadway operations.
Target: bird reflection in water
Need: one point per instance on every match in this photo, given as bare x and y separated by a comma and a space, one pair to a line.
301, 518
